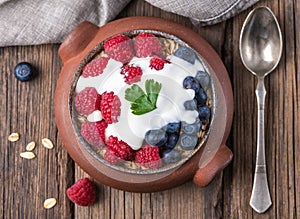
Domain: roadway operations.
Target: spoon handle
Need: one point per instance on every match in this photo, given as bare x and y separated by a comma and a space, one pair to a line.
260, 199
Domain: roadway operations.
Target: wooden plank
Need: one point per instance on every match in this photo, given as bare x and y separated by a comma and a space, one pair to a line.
243, 130
27, 108
280, 144
282, 99
296, 108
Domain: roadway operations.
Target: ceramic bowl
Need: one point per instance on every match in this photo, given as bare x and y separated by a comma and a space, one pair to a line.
84, 45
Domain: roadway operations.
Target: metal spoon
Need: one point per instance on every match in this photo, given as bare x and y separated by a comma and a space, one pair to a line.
260, 50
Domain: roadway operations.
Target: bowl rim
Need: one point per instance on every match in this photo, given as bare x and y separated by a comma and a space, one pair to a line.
90, 56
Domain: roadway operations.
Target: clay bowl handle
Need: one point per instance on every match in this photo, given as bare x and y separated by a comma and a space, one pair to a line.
206, 174
77, 40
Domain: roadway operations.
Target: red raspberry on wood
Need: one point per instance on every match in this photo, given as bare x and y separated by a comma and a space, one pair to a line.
83, 192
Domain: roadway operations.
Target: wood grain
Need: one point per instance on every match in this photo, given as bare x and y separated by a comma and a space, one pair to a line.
27, 108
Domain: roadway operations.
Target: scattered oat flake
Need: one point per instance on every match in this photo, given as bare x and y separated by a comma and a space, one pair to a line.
14, 137
27, 155
47, 143
30, 146
49, 203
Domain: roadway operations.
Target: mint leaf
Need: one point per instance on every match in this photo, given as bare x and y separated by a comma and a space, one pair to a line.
133, 93
153, 98
142, 106
152, 88
143, 102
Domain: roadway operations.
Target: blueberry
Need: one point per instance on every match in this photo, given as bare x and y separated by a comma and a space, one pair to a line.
172, 127
172, 140
190, 104
188, 142
186, 54
171, 156
191, 129
204, 113
203, 78
191, 83
24, 71
201, 97
156, 137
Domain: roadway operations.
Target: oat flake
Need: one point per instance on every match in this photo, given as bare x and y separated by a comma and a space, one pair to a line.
47, 143
27, 155
13, 137
30, 146
49, 203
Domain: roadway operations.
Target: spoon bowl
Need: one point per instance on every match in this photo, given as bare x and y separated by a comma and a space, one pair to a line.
260, 42
260, 49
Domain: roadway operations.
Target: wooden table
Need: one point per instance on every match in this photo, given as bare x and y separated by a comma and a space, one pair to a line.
27, 108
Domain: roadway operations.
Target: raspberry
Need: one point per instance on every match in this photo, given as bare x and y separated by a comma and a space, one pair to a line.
131, 73
93, 132
87, 100
101, 126
111, 157
157, 63
83, 192
110, 107
146, 44
120, 148
95, 67
148, 156
119, 48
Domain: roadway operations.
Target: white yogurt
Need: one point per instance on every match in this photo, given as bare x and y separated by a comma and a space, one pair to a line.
95, 116
170, 102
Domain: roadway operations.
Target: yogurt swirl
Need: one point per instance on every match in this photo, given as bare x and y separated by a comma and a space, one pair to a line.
170, 102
